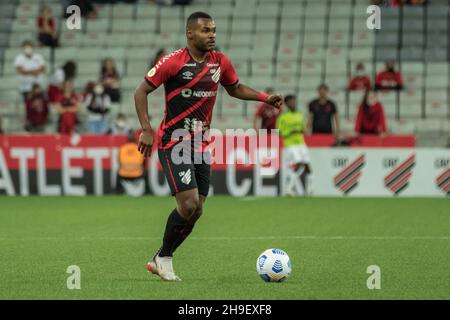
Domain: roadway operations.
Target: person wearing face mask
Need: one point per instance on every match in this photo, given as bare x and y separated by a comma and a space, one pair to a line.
389, 79
30, 68
120, 126
36, 110
370, 118
360, 80
98, 103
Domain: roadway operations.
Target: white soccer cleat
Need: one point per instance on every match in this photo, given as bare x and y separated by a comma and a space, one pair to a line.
164, 268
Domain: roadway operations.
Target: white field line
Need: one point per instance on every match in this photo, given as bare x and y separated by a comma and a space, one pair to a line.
234, 238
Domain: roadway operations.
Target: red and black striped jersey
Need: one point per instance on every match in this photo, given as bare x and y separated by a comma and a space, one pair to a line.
190, 90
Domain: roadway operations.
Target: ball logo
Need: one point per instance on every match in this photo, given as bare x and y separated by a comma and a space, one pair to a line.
261, 261
277, 266
152, 72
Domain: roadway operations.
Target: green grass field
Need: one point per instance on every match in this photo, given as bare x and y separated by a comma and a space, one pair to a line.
331, 242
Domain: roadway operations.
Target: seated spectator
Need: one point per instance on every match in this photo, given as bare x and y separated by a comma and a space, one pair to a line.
30, 68
36, 110
323, 114
120, 126
46, 24
110, 79
360, 80
98, 104
389, 79
66, 72
266, 115
370, 118
67, 106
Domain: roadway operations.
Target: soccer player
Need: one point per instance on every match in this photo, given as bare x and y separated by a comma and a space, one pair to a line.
191, 77
295, 153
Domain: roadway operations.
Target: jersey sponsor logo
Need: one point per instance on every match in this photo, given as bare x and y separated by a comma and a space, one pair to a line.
190, 64
212, 64
216, 76
152, 72
187, 93
185, 176
187, 75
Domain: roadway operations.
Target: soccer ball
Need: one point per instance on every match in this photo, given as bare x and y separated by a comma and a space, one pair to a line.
273, 265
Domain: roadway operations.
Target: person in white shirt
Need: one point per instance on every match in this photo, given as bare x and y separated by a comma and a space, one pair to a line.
30, 68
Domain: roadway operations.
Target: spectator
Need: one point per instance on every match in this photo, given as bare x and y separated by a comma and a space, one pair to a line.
1, 127
360, 80
322, 113
131, 168
30, 68
110, 79
36, 110
66, 72
370, 118
266, 115
46, 24
389, 79
97, 103
67, 106
120, 126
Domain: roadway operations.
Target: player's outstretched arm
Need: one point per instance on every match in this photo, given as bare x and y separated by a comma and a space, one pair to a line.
141, 104
243, 92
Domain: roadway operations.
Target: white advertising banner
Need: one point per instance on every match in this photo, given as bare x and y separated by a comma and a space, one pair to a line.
380, 172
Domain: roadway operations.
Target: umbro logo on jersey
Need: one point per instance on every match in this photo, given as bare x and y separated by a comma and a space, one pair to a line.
216, 76
186, 176
187, 75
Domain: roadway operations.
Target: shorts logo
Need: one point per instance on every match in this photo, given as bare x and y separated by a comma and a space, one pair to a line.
216, 76
152, 72
186, 176
187, 75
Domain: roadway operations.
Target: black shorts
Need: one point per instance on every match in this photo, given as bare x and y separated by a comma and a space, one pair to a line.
186, 176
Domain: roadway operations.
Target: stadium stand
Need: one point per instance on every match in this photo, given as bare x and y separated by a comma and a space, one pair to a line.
292, 45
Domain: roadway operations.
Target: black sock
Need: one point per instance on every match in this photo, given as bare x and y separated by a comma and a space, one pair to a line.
184, 233
174, 226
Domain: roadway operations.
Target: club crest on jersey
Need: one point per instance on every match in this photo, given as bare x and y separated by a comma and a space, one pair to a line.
216, 76
187, 75
152, 72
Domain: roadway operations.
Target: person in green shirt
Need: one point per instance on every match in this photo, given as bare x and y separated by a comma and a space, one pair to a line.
291, 125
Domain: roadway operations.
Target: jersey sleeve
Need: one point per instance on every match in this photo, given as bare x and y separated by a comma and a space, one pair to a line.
229, 76
161, 71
